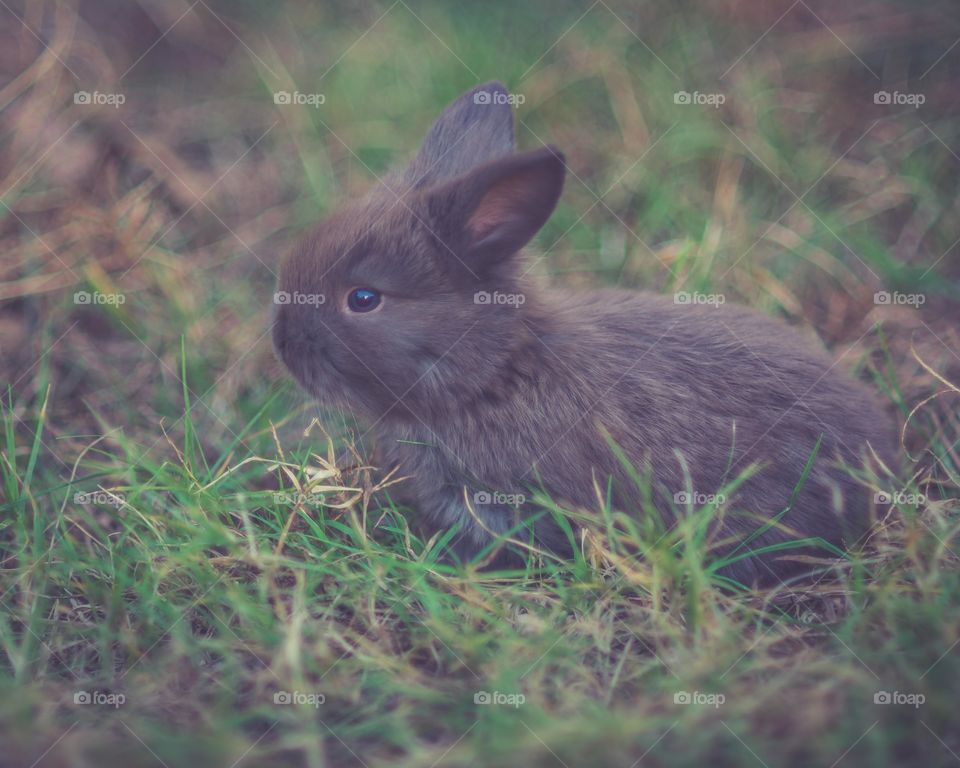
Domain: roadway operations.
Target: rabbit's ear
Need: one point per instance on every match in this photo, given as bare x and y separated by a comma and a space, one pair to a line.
476, 128
494, 210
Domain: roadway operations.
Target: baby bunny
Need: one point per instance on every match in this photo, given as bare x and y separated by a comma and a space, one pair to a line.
412, 310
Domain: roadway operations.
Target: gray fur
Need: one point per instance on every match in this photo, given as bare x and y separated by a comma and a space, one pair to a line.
466, 135
469, 397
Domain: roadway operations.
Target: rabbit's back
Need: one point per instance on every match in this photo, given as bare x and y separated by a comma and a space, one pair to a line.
726, 387
679, 388
687, 375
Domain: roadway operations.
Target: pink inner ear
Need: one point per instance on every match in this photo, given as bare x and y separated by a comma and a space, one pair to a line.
501, 203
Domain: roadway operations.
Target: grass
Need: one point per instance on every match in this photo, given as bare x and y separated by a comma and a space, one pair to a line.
220, 559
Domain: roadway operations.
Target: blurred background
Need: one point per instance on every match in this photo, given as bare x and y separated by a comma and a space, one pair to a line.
159, 156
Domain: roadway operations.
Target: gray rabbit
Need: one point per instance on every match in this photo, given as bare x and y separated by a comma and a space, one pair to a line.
411, 309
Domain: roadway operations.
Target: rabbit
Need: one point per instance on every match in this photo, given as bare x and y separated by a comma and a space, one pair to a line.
483, 385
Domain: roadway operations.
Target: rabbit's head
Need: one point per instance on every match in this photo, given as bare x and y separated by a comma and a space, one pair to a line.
412, 299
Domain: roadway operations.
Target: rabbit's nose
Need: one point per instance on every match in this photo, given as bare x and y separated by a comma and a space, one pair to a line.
295, 338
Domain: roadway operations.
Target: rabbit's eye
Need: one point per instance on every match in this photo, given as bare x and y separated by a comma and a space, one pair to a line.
363, 300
